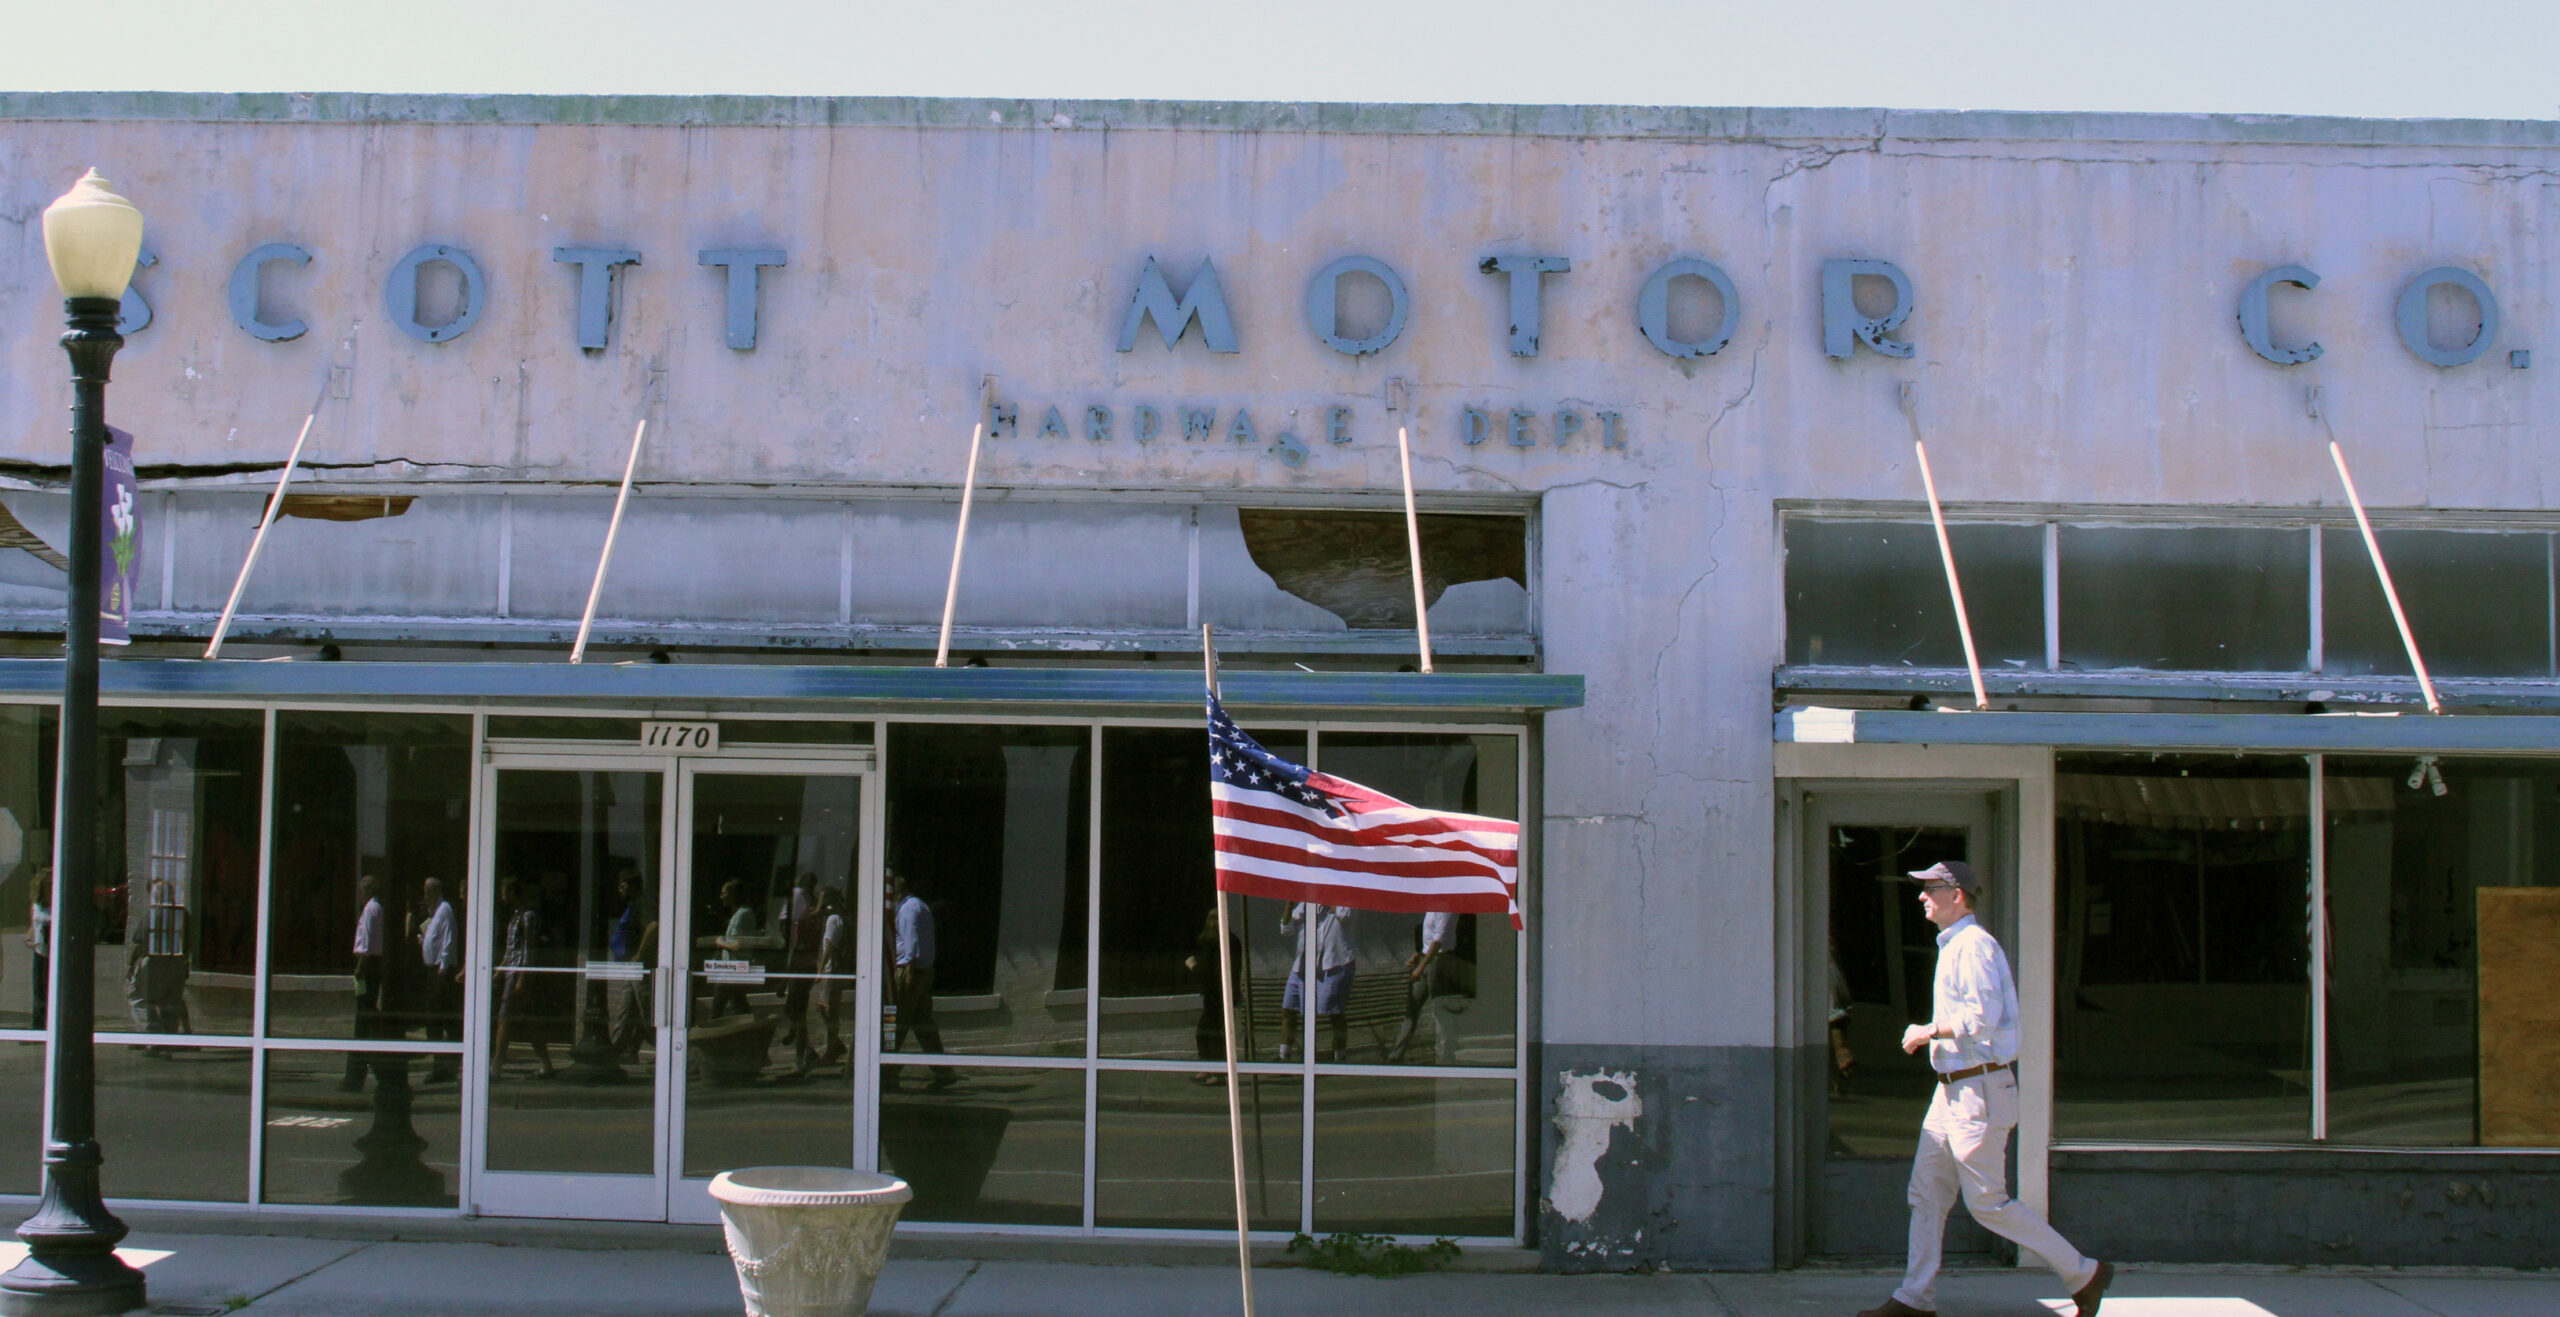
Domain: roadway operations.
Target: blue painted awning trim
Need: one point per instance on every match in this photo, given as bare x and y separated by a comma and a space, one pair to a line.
644, 683
2174, 731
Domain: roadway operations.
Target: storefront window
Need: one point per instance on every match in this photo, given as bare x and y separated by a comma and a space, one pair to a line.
999, 1146
2409, 867
372, 845
1159, 945
399, 1146
2189, 598
1454, 1004
175, 1121
988, 827
2182, 1001
1162, 1159
177, 869
1414, 1156
27, 749
2479, 602
1875, 593
22, 1118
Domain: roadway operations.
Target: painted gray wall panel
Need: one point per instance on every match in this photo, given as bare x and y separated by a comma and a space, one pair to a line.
438, 558
1689, 1181
2311, 1208
695, 559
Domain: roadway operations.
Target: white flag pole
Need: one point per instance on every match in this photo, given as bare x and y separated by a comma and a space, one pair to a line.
960, 537
1413, 545
2390, 595
1227, 1015
1947, 555
275, 504
612, 531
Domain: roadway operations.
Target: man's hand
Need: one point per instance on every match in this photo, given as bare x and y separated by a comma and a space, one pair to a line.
1918, 1036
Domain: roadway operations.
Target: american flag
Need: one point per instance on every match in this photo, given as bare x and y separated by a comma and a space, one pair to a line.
1284, 832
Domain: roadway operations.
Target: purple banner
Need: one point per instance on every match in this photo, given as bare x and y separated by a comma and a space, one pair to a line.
122, 527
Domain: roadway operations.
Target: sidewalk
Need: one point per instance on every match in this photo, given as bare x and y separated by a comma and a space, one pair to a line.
272, 1276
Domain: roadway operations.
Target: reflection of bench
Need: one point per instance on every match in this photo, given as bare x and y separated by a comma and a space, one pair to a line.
732, 1049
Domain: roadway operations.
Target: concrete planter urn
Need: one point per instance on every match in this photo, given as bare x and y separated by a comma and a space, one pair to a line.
808, 1241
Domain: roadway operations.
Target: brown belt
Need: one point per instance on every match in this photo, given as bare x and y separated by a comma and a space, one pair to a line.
1954, 1075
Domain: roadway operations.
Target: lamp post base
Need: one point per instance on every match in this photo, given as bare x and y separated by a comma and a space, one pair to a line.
74, 1285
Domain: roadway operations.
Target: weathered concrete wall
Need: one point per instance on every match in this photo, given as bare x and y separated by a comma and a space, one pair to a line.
2076, 281
2311, 1208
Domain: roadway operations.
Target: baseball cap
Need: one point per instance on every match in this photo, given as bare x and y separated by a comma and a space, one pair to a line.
1949, 873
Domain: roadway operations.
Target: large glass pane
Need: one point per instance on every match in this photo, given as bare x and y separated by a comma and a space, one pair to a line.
1875, 593
175, 1122
1159, 939
994, 1146
1454, 1002
2182, 1005
771, 970
1162, 1159
1414, 1156
21, 1117
2192, 598
372, 839
577, 870
2408, 865
178, 802
27, 740
988, 829
400, 1145
2478, 601
1883, 962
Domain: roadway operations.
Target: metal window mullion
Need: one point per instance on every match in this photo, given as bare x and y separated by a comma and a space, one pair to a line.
2052, 596
1092, 961
262, 958
1307, 958
506, 553
2317, 660
1530, 849
2319, 923
479, 921
844, 566
2551, 600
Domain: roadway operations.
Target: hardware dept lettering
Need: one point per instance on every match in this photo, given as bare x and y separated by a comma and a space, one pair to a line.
1563, 428
1203, 302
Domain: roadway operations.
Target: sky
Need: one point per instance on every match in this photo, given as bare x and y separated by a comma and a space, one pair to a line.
2412, 59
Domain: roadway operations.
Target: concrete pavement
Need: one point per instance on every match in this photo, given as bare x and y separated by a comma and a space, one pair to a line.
679, 1277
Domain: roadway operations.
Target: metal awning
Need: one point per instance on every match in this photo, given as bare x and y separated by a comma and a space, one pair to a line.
2343, 732
648, 683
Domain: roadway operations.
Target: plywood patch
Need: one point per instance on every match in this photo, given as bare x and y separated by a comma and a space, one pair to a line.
2520, 1016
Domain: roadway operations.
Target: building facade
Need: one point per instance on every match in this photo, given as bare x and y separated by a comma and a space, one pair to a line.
753, 882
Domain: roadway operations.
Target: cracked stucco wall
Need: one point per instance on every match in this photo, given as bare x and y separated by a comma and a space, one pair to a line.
2075, 277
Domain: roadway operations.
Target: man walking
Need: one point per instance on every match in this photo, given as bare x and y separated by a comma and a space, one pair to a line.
371, 944
442, 960
912, 980
1972, 1037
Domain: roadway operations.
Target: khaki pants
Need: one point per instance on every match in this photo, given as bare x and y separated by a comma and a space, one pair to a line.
1964, 1146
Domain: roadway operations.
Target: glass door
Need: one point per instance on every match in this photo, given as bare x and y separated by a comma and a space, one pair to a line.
777, 906
572, 1087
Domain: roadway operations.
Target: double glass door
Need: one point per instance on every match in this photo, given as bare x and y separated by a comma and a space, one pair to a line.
673, 969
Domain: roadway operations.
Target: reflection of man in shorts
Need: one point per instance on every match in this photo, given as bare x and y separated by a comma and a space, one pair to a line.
1329, 928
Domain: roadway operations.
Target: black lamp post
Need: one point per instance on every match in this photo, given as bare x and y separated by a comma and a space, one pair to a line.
91, 237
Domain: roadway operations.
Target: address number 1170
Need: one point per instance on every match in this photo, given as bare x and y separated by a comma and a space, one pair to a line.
680, 736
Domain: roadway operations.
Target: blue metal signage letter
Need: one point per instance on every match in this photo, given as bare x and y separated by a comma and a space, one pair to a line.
134, 314
244, 291
2412, 314
1320, 305
743, 264
595, 288
1843, 329
1203, 300
2253, 315
401, 292
1653, 309
1525, 308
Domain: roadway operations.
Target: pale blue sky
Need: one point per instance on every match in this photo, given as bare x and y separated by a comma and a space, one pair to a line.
2482, 58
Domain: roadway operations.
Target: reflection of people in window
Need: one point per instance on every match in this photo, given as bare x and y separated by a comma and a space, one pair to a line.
912, 976
519, 996
631, 938
372, 945
40, 944
835, 960
440, 961
1209, 1032
729, 998
1439, 979
1328, 927
800, 957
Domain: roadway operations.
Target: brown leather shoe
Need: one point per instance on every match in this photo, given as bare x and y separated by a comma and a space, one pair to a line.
1897, 1308
2095, 1292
